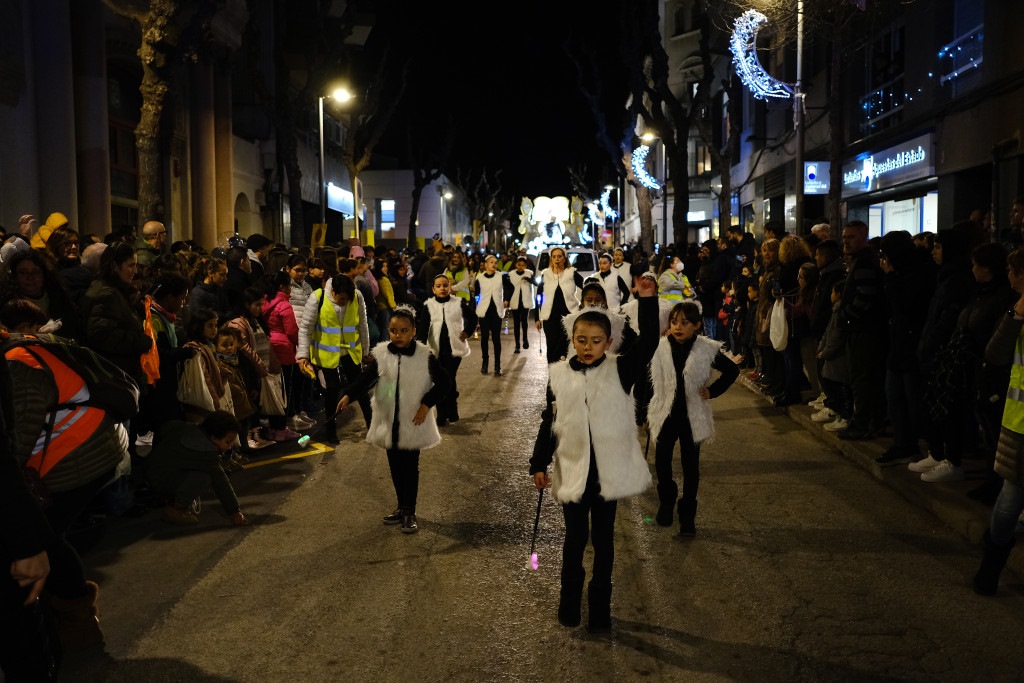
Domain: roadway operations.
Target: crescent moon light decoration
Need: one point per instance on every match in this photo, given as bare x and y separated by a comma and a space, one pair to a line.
640, 169
743, 46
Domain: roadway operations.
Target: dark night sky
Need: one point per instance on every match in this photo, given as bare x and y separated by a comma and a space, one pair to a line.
500, 71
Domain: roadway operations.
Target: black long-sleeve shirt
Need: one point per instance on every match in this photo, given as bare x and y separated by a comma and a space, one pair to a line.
680, 352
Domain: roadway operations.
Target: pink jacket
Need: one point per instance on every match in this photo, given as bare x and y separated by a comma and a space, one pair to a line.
284, 331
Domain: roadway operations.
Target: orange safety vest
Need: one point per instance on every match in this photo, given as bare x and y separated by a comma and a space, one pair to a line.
72, 424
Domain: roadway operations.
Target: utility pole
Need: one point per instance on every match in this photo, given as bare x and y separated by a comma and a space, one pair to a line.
798, 118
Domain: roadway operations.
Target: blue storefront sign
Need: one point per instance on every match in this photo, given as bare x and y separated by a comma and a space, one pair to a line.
816, 180
911, 160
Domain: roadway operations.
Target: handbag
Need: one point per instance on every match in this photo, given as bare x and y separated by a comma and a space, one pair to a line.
272, 398
778, 329
192, 388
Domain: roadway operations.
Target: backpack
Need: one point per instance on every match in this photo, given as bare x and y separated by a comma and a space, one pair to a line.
110, 388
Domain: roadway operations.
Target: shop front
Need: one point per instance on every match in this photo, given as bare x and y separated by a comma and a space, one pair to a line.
894, 188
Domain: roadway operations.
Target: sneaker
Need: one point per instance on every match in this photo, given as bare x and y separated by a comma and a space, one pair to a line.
825, 415
409, 525
394, 518
306, 417
279, 435
839, 425
144, 439
176, 515
256, 442
944, 471
925, 464
817, 403
297, 424
893, 456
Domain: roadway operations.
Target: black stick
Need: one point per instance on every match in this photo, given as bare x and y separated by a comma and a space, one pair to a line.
536, 524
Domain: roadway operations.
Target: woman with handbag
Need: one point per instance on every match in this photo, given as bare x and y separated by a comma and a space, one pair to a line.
283, 329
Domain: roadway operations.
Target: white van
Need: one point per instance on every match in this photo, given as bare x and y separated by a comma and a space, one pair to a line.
583, 259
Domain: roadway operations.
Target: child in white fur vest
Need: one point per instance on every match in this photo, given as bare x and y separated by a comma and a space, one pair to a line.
680, 409
409, 382
591, 438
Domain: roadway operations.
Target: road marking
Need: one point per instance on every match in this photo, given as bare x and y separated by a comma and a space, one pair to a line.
318, 449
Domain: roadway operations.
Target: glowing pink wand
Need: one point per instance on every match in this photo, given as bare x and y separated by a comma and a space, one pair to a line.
534, 563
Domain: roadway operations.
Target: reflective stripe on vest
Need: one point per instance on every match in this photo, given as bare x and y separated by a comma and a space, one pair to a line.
71, 425
673, 295
1013, 410
331, 336
459, 277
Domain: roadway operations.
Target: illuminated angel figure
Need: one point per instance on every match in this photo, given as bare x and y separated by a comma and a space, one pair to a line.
525, 210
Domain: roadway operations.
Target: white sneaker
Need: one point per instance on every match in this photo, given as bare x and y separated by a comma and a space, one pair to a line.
944, 471
839, 425
144, 439
824, 415
925, 464
305, 416
817, 403
297, 424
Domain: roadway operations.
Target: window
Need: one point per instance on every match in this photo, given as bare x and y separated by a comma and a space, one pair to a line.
387, 214
882, 106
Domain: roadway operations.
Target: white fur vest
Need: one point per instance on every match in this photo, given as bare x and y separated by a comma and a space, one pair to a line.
631, 312
412, 375
449, 313
593, 404
491, 289
617, 320
566, 281
696, 374
522, 289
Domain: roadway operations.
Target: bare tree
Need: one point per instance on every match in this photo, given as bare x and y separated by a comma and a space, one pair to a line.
427, 167
370, 116
484, 200
172, 32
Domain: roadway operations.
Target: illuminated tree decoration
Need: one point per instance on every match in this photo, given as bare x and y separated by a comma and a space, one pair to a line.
640, 168
610, 214
743, 46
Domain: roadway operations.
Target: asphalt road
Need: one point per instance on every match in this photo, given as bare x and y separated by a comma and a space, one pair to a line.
805, 568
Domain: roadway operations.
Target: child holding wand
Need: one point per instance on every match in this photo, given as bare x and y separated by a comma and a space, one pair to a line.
409, 382
597, 458
679, 409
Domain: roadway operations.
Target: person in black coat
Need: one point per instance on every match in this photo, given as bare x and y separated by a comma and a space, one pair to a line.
909, 284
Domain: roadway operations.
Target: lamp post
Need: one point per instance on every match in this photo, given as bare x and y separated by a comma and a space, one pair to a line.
339, 95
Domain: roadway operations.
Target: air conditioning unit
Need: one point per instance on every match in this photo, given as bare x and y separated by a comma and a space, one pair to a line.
261, 198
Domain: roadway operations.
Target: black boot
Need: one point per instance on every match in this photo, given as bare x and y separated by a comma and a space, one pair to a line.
599, 602
687, 514
569, 604
483, 368
497, 368
331, 432
986, 581
667, 493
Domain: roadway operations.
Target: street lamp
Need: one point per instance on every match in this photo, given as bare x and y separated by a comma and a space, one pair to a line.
338, 95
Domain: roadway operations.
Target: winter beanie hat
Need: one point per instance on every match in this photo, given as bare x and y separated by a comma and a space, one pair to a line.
53, 221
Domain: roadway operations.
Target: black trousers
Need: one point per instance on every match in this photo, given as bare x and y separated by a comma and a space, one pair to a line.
67, 576
405, 475
347, 372
490, 328
520, 322
592, 517
556, 339
866, 352
676, 429
448, 406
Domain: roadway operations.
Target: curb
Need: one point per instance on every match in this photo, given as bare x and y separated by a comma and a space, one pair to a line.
947, 501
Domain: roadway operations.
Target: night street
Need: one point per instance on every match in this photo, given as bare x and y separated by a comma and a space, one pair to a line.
804, 568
